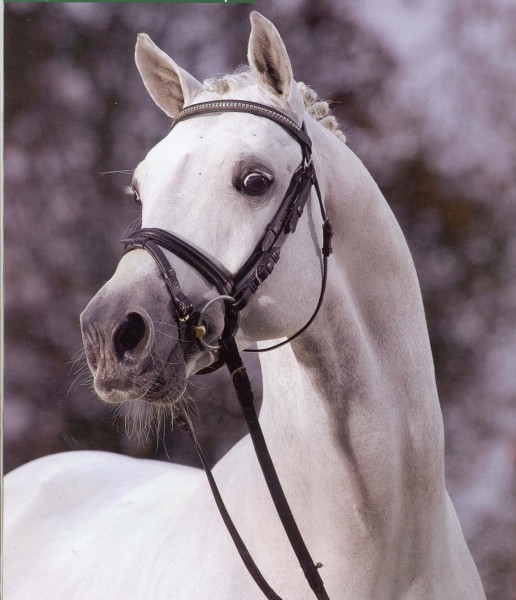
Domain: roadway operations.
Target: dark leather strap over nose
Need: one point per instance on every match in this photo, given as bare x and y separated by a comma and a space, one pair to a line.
182, 304
219, 277
148, 239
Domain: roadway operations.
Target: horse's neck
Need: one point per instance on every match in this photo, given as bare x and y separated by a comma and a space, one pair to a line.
368, 349
352, 409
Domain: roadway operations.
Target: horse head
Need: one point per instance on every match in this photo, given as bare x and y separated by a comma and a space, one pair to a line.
215, 181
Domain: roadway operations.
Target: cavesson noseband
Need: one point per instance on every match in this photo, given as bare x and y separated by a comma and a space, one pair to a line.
235, 291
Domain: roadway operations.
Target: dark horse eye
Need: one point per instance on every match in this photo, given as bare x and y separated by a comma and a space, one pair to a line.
256, 183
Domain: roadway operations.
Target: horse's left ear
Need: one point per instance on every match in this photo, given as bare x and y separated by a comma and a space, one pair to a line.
170, 86
268, 57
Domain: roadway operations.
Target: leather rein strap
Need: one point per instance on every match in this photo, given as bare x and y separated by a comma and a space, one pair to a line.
245, 396
236, 291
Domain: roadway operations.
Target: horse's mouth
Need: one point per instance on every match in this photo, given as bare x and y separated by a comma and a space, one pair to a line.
157, 391
159, 382
160, 390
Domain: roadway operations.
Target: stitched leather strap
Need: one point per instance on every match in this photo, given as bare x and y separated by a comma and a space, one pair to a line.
182, 304
215, 274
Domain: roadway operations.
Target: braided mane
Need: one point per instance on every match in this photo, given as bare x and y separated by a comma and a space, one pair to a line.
316, 108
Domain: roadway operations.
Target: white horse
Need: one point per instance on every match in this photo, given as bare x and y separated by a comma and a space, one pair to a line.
350, 408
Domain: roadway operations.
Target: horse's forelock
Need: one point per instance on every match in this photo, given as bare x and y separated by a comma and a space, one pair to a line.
231, 82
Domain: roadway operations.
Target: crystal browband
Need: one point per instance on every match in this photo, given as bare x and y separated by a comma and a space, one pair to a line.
221, 106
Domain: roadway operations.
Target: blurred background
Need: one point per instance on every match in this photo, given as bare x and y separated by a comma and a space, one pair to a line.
425, 91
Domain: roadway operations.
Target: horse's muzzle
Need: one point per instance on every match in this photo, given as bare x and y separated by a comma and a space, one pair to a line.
131, 355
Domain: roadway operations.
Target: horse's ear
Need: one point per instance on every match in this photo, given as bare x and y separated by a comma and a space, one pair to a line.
268, 57
170, 87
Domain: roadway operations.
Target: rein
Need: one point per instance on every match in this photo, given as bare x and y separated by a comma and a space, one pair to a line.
236, 290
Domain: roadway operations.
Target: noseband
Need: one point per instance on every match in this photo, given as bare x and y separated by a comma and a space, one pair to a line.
235, 291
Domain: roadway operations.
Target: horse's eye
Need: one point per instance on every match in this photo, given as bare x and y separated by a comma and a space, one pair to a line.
136, 195
256, 183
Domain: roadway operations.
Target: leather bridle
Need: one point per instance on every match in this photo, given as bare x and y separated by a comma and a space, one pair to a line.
235, 291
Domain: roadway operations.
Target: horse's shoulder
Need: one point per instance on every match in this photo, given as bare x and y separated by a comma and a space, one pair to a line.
67, 516
86, 480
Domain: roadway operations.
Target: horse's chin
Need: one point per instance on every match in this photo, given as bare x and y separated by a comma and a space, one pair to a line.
160, 391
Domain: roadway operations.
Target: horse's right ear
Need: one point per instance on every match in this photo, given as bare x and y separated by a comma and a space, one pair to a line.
268, 57
170, 87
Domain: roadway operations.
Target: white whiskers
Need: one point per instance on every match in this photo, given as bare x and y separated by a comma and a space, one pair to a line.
80, 368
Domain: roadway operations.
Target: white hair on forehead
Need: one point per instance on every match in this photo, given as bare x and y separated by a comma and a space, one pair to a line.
316, 108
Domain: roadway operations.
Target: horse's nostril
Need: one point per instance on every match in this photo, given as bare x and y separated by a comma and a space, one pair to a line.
129, 334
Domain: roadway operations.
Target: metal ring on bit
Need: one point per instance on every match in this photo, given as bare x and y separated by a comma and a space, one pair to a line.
201, 315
